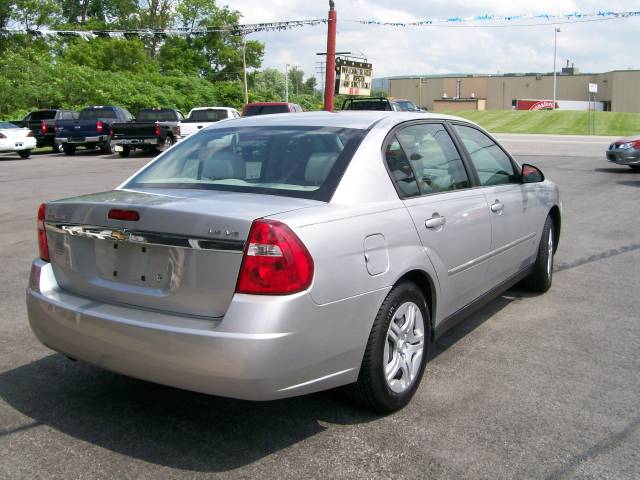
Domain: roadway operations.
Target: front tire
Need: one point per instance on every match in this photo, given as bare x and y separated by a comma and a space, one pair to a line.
24, 153
57, 148
541, 277
396, 352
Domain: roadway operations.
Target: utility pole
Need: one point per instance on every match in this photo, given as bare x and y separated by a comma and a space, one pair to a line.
244, 69
555, 51
286, 82
331, 58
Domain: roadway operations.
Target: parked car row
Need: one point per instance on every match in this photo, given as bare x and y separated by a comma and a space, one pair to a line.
115, 129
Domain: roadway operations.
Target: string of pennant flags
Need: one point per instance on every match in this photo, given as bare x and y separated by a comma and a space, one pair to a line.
482, 20
246, 29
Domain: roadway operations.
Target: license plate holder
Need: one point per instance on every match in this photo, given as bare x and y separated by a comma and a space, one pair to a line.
134, 264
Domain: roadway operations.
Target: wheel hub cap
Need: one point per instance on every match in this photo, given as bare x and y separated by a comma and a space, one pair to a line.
404, 347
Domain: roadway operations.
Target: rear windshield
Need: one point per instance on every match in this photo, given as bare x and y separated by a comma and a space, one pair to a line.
368, 105
43, 115
265, 109
157, 116
304, 162
7, 125
406, 105
96, 113
207, 115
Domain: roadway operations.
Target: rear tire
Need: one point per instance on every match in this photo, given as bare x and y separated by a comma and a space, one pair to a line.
166, 144
541, 277
69, 149
126, 151
107, 148
24, 153
395, 357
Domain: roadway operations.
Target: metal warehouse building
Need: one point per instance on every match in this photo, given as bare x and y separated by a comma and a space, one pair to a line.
618, 91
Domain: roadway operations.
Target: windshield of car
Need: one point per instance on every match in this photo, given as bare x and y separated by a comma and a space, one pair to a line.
7, 125
43, 115
209, 115
304, 162
265, 109
154, 115
97, 113
406, 105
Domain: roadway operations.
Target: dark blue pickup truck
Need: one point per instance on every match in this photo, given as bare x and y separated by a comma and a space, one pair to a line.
92, 129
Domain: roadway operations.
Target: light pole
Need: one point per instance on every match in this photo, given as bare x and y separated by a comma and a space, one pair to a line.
556, 31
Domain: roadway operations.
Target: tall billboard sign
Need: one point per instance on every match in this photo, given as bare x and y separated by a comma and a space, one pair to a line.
353, 78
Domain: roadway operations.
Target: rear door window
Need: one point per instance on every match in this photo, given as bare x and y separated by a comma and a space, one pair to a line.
434, 158
400, 169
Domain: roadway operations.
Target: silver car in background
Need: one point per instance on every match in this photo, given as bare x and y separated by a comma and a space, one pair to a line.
276, 256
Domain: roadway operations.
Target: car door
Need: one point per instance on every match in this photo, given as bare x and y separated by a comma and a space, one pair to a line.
451, 218
513, 235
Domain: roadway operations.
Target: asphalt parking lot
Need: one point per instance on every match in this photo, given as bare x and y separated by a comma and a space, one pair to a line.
529, 387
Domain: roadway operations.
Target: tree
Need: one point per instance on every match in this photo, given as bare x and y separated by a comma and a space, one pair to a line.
310, 85
33, 14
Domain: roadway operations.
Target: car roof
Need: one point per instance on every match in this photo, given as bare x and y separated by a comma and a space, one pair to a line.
362, 120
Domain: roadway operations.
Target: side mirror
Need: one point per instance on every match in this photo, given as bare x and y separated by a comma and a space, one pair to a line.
531, 174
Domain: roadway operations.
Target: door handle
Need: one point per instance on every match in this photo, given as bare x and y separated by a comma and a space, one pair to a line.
435, 221
497, 207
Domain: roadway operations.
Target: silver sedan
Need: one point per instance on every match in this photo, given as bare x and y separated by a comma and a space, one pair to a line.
276, 256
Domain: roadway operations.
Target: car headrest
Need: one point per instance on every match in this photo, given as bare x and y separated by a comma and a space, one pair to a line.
318, 167
224, 165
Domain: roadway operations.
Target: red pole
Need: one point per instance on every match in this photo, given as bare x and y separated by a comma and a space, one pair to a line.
330, 79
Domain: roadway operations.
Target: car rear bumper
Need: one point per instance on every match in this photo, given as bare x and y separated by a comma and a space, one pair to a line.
14, 145
82, 140
263, 348
629, 156
134, 142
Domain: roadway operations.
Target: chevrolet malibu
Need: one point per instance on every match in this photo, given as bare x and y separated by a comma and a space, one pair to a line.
276, 256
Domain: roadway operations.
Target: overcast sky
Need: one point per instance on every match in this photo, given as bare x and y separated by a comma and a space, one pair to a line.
594, 46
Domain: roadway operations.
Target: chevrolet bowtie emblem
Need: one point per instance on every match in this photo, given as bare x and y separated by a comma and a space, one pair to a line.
119, 235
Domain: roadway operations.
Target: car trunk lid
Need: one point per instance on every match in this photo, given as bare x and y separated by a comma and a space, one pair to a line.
182, 255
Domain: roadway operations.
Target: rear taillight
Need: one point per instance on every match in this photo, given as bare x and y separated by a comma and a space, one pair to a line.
30, 134
43, 247
177, 130
275, 261
44, 128
2, 136
99, 126
636, 144
126, 215
158, 131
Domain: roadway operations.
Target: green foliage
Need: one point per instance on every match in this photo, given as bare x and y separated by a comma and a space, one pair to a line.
110, 54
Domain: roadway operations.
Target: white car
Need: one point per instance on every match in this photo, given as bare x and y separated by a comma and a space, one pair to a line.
16, 139
202, 117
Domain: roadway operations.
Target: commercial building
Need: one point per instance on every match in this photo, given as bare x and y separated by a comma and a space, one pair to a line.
618, 91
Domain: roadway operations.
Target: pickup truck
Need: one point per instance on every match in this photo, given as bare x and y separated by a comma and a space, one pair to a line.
43, 125
371, 103
153, 129
91, 129
202, 117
